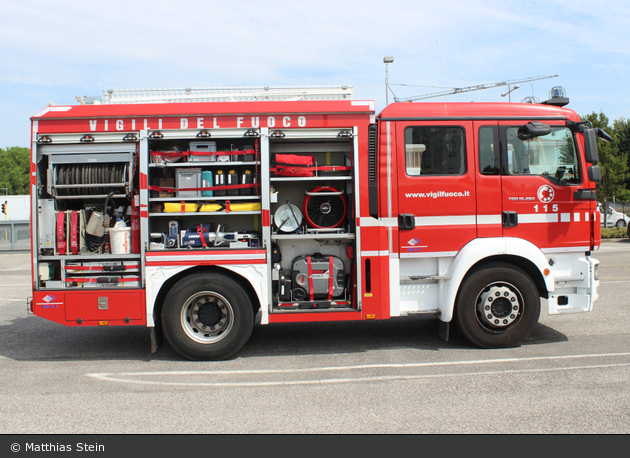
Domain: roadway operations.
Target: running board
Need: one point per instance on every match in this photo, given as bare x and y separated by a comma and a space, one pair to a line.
288, 310
569, 278
425, 279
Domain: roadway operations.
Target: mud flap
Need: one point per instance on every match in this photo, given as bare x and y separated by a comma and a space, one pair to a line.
444, 330
157, 338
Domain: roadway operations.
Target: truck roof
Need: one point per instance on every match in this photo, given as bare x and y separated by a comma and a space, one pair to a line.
474, 110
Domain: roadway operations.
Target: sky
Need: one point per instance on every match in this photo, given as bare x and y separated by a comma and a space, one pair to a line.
56, 51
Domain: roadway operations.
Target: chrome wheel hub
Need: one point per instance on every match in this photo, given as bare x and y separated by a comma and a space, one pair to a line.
207, 317
499, 305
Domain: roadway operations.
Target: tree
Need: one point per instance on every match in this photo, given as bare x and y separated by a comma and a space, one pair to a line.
612, 161
15, 163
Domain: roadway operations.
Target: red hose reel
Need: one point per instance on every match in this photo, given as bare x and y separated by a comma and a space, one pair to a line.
324, 207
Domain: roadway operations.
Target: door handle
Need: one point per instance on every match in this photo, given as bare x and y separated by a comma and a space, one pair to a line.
510, 219
406, 221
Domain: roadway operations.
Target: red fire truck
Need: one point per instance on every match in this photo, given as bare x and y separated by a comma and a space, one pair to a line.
193, 217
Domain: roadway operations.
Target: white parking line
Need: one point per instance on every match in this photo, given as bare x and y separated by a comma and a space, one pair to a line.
131, 377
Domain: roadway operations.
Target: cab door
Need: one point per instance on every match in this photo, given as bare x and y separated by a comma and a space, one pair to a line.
540, 174
436, 187
488, 179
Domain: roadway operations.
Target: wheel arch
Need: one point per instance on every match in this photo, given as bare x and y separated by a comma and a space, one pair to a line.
168, 284
517, 252
523, 263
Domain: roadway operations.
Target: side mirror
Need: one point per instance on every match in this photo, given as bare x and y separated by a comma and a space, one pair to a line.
590, 146
594, 173
533, 129
602, 134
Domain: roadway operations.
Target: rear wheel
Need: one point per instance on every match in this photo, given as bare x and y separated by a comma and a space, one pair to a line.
207, 316
497, 306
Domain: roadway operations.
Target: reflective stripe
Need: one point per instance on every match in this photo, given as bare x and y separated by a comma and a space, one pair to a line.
459, 220
465, 220
527, 218
374, 253
489, 219
430, 254
206, 257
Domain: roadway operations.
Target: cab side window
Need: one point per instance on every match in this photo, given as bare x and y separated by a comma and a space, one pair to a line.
552, 156
435, 151
489, 151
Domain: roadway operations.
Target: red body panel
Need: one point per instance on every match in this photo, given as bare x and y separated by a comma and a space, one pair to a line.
81, 308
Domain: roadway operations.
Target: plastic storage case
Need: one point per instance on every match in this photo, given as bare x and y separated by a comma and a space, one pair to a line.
188, 178
209, 147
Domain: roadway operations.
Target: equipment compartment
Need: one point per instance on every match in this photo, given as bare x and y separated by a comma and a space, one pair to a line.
216, 188
312, 228
87, 197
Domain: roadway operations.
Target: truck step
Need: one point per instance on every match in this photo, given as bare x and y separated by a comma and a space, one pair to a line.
570, 278
425, 278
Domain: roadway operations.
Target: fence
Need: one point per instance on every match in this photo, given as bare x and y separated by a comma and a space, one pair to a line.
15, 236
617, 213
620, 206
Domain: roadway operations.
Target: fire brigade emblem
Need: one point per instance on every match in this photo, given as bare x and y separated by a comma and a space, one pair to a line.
545, 193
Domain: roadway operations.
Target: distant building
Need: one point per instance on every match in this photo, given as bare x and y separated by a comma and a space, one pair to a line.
17, 208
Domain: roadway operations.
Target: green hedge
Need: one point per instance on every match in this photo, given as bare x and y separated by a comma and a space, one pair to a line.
614, 232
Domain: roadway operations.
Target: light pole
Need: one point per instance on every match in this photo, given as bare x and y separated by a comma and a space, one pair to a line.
387, 60
509, 91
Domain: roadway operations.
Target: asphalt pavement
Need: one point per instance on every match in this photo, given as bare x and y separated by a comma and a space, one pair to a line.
385, 377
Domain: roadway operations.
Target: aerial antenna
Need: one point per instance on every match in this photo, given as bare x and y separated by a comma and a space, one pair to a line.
530, 99
478, 87
441, 68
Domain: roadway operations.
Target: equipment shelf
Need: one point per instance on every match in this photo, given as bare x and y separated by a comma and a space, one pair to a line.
90, 257
202, 164
312, 236
176, 214
320, 178
195, 199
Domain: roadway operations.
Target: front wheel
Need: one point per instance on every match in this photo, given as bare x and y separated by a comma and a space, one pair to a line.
497, 306
621, 223
207, 316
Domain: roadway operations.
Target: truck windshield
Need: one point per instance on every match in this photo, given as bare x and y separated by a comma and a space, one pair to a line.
552, 156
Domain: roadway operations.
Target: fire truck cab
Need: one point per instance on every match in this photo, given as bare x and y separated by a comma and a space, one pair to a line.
194, 218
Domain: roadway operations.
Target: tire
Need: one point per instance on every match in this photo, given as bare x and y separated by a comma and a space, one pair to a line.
207, 316
620, 223
497, 306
